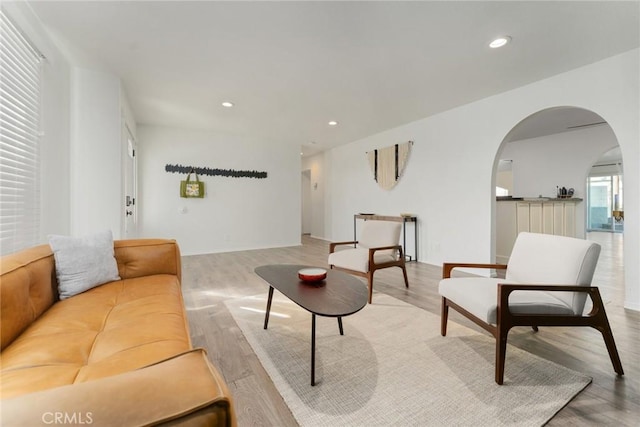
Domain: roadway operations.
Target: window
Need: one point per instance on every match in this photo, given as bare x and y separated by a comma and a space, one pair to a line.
501, 191
605, 205
20, 101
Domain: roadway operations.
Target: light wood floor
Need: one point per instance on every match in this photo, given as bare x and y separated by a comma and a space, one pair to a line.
208, 280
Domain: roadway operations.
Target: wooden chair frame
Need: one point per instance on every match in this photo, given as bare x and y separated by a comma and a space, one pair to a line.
596, 318
373, 266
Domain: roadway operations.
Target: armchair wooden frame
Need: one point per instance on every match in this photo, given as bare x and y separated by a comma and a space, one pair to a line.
596, 318
373, 266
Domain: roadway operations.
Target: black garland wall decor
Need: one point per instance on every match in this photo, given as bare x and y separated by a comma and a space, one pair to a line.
229, 173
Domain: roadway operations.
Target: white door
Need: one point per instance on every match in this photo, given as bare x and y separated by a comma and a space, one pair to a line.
130, 185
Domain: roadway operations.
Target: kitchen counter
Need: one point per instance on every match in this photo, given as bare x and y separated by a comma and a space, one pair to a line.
537, 199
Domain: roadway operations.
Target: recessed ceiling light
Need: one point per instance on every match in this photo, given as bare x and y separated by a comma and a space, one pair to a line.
333, 123
499, 42
227, 104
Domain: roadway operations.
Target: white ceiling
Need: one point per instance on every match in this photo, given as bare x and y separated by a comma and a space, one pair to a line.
290, 67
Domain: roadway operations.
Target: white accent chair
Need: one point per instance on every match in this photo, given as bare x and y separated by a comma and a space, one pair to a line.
547, 282
377, 248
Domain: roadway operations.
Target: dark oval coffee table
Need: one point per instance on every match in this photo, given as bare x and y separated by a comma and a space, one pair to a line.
338, 295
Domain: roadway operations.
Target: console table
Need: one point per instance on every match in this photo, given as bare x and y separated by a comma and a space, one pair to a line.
403, 219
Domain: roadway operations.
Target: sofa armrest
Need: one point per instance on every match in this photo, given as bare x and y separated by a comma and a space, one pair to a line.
183, 390
448, 267
146, 257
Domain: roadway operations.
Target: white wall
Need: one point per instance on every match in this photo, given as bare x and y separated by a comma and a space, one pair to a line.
449, 178
236, 213
55, 149
82, 114
315, 164
96, 160
564, 159
54, 146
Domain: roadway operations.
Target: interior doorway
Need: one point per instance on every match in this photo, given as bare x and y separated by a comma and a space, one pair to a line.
306, 210
130, 190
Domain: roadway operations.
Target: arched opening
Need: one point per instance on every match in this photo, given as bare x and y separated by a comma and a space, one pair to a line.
542, 179
605, 193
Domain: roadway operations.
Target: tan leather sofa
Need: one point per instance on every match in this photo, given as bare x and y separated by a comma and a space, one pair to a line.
117, 355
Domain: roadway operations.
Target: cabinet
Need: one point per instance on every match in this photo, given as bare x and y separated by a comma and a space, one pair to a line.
548, 216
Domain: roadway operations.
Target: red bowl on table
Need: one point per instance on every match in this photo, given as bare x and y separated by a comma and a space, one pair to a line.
312, 274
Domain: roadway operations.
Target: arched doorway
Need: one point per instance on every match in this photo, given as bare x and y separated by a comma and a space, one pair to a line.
548, 151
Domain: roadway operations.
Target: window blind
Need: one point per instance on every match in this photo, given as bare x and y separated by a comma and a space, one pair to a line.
20, 80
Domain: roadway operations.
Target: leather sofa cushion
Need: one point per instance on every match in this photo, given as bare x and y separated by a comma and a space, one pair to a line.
138, 258
185, 390
111, 329
28, 288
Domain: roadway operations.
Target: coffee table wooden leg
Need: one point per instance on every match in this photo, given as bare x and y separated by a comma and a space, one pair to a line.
266, 314
340, 325
313, 349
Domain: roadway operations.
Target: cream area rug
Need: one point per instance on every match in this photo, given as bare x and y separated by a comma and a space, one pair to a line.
392, 368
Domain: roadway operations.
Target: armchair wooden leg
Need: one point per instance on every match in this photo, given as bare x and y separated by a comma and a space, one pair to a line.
370, 280
404, 273
501, 353
535, 328
602, 324
613, 350
444, 315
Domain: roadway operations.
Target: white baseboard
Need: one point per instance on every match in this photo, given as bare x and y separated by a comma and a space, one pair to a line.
632, 306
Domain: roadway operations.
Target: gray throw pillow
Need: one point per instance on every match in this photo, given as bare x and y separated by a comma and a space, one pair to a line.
83, 263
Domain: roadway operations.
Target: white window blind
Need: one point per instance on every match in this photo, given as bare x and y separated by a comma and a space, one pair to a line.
20, 76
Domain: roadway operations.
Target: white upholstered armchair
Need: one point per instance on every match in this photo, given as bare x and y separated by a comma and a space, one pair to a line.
547, 282
377, 248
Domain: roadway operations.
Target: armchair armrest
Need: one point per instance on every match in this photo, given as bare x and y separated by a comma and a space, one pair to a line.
372, 252
510, 287
332, 246
505, 289
448, 267
385, 248
184, 389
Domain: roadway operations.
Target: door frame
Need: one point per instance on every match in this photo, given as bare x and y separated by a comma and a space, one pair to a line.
129, 184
